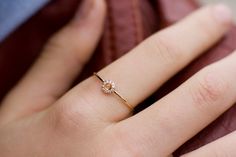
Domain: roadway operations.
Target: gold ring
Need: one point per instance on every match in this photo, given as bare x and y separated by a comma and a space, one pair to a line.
109, 87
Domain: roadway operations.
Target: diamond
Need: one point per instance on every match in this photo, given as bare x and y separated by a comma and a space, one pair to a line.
108, 87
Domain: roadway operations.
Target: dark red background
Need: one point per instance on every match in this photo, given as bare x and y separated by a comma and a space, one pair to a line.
128, 23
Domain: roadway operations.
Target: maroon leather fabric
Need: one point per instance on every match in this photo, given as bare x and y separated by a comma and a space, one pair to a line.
128, 23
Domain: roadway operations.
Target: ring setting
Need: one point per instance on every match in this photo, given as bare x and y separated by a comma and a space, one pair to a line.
109, 87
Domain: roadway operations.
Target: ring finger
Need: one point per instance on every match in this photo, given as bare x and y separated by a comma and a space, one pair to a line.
147, 67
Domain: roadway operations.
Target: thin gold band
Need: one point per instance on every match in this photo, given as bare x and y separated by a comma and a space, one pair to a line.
112, 89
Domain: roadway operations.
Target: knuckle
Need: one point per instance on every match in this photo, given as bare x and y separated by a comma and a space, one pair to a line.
53, 49
58, 49
207, 92
68, 117
209, 88
165, 49
55, 44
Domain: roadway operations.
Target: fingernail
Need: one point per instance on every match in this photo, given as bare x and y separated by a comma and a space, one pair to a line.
84, 9
223, 13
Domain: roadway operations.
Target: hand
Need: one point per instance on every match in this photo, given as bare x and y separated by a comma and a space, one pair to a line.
42, 117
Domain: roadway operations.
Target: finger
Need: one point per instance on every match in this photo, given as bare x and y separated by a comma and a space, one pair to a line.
147, 67
224, 146
170, 122
61, 61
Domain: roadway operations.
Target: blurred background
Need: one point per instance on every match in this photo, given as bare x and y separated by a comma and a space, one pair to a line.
231, 3
24, 9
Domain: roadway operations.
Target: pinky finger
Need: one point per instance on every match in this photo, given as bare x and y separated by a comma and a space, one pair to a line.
224, 146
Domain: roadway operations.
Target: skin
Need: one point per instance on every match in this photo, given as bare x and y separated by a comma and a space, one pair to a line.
42, 117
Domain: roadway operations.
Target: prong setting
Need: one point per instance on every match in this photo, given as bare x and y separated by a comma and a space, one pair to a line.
108, 87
